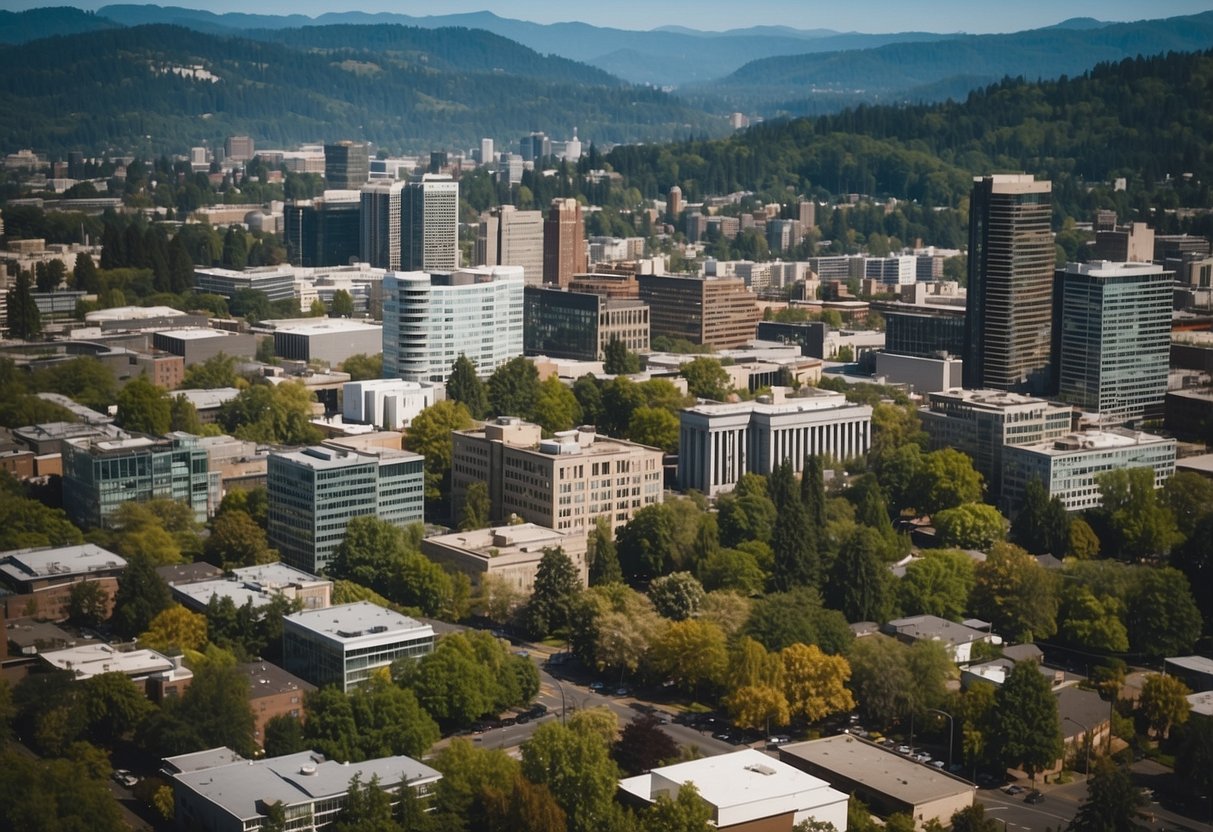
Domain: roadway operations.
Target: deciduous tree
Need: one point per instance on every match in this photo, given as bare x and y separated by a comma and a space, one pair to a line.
676, 596
576, 767
814, 683
1112, 801
514, 388
1164, 703
970, 526
1014, 592
643, 746
938, 583
555, 407
430, 435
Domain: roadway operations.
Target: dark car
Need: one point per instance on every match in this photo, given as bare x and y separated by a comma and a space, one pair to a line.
1034, 796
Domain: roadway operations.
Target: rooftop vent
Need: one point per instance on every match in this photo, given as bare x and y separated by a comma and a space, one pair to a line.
307, 771
760, 768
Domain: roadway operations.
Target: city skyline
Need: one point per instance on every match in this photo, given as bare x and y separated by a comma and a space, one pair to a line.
875, 16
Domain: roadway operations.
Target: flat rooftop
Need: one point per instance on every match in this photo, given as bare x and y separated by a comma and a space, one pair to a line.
198, 334
322, 326
89, 660
206, 399
934, 628
992, 399
350, 621
133, 313
740, 778
880, 769
86, 558
522, 537
266, 679
1198, 663
240, 786
1095, 440
819, 400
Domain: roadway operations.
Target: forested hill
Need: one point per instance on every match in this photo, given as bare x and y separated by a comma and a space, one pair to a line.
912, 72
1144, 119
136, 89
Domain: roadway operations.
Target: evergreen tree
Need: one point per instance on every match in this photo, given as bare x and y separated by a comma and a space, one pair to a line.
466, 387
24, 320
617, 360
1111, 803
514, 388
1028, 729
113, 250
180, 265
155, 247
474, 514
604, 564
556, 585
235, 249
141, 596
793, 539
132, 243
859, 584
84, 275
1042, 525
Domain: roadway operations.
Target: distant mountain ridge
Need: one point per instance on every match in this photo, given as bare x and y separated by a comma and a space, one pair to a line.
912, 72
159, 88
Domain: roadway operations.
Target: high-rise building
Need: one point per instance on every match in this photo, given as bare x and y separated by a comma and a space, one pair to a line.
347, 165
564, 248
314, 493
1009, 316
326, 231
486, 152
1114, 339
719, 311
380, 224
429, 215
430, 319
673, 202
563, 483
564, 324
509, 237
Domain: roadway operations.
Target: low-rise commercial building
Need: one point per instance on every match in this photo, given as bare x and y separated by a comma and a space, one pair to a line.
956, 638
719, 311
344, 645
257, 586
272, 692
158, 676
1068, 466
885, 781
226, 793
563, 483
387, 403
564, 324
328, 340
721, 442
983, 423
275, 282
41, 580
197, 345
99, 475
509, 553
746, 790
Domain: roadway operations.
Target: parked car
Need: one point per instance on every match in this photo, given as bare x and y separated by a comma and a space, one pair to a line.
1034, 796
903, 749
921, 757
597, 686
937, 764
622, 691
1013, 789
779, 739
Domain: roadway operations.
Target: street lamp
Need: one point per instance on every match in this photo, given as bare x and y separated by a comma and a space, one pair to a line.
1088, 738
951, 725
563, 707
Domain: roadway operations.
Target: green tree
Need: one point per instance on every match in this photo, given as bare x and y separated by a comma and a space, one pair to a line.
44, 795
1137, 523
676, 596
1190, 498
465, 386
474, 513
783, 618
1112, 801
217, 371
113, 706
575, 766
588, 391
815, 683
1090, 622
367, 808
1083, 542
84, 274
1195, 559
235, 249
1027, 727
947, 479
213, 711
183, 416
430, 435
793, 538
604, 559
938, 583
690, 653
141, 596
362, 367
180, 265
1194, 756
1042, 525
973, 819
88, 603
514, 389
1016, 594
745, 516
733, 569
556, 586
144, 408
684, 813
555, 407
970, 526
236, 540
645, 543
24, 320
1164, 703
860, 584
1162, 617
890, 680
284, 735
618, 360
655, 427
706, 378
342, 305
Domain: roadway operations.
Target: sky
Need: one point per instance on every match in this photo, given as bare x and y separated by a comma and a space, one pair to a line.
875, 16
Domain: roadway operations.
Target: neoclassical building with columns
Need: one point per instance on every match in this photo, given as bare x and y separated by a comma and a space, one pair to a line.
720, 442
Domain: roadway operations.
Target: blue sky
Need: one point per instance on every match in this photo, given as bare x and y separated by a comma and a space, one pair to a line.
974, 16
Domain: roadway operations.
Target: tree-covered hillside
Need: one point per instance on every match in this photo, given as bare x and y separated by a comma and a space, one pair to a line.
1143, 119
136, 89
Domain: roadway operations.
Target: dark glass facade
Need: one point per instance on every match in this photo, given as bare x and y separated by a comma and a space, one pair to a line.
560, 324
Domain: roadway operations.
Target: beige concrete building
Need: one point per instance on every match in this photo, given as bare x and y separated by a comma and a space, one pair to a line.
564, 483
512, 553
886, 781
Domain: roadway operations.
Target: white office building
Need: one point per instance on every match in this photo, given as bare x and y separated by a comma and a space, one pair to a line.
429, 215
720, 442
344, 645
430, 319
387, 403
1067, 467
